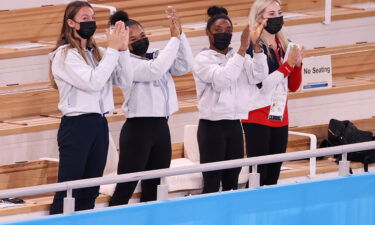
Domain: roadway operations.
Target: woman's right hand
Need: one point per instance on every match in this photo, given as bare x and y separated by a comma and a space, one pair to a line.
117, 37
294, 55
245, 41
175, 23
125, 42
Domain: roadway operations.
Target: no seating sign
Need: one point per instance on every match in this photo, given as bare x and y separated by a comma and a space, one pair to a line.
317, 73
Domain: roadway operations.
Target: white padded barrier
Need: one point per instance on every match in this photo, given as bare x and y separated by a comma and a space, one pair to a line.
182, 182
112, 157
191, 150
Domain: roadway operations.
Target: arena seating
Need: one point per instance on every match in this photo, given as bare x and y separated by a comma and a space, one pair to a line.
32, 107
36, 110
15, 24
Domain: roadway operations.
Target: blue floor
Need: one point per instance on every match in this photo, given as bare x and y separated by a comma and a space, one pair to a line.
340, 201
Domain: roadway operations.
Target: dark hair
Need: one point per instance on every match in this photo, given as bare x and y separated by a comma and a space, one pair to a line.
124, 17
215, 13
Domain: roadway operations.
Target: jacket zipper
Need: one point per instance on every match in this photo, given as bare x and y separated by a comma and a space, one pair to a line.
101, 105
164, 89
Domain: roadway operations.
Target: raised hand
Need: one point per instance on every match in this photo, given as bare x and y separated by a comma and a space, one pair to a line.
302, 56
175, 23
116, 38
294, 55
125, 34
245, 41
255, 34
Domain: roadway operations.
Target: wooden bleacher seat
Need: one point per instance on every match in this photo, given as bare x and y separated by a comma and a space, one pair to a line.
185, 90
35, 109
352, 71
25, 174
46, 21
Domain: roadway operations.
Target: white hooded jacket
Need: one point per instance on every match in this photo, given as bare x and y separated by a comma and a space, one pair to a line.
87, 88
153, 92
226, 84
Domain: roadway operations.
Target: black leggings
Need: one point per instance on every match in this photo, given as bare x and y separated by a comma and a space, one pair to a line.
265, 140
218, 141
83, 146
145, 144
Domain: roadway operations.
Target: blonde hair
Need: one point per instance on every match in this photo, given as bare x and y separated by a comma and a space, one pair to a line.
257, 10
67, 37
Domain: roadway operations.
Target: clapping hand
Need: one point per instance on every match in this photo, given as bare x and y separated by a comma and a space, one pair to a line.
119, 38
175, 23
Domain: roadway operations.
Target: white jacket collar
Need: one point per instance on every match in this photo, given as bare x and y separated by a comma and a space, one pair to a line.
211, 52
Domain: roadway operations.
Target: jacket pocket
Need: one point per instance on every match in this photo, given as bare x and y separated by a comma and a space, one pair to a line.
224, 104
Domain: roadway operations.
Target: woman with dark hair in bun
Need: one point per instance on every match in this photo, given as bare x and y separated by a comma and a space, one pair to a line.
226, 83
145, 142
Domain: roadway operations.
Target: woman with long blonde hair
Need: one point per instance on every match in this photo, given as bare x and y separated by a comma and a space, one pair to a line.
84, 74
266, 129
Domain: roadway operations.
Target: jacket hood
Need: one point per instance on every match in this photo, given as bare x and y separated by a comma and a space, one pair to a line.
52, 54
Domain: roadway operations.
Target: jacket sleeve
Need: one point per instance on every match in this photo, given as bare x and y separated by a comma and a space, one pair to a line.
272, 80
184, 60
150, 70
123, 74
74, 70
220, 77
256, 68
295, 79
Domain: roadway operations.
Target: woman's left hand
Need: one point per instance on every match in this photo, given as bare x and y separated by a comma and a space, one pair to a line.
256, 32
302, 56
173, 16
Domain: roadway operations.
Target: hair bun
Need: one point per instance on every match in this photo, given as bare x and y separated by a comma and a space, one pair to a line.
119, 16
216, 10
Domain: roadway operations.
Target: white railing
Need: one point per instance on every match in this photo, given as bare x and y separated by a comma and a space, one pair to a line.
328, 12
22, 4
313, 146
162, 173
111, 9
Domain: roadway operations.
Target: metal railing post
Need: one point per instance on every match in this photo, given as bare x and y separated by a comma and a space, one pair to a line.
69, 202
328, 12
344, 165
162, 191
111, 9
254, 177
313, 146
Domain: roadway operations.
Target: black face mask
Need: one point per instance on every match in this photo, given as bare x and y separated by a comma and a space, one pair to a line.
274, 25
140, 47
87, 29
222, 40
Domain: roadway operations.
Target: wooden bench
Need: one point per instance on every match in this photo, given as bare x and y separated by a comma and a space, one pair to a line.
46, 21
352, 71
26, 174
36, 24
